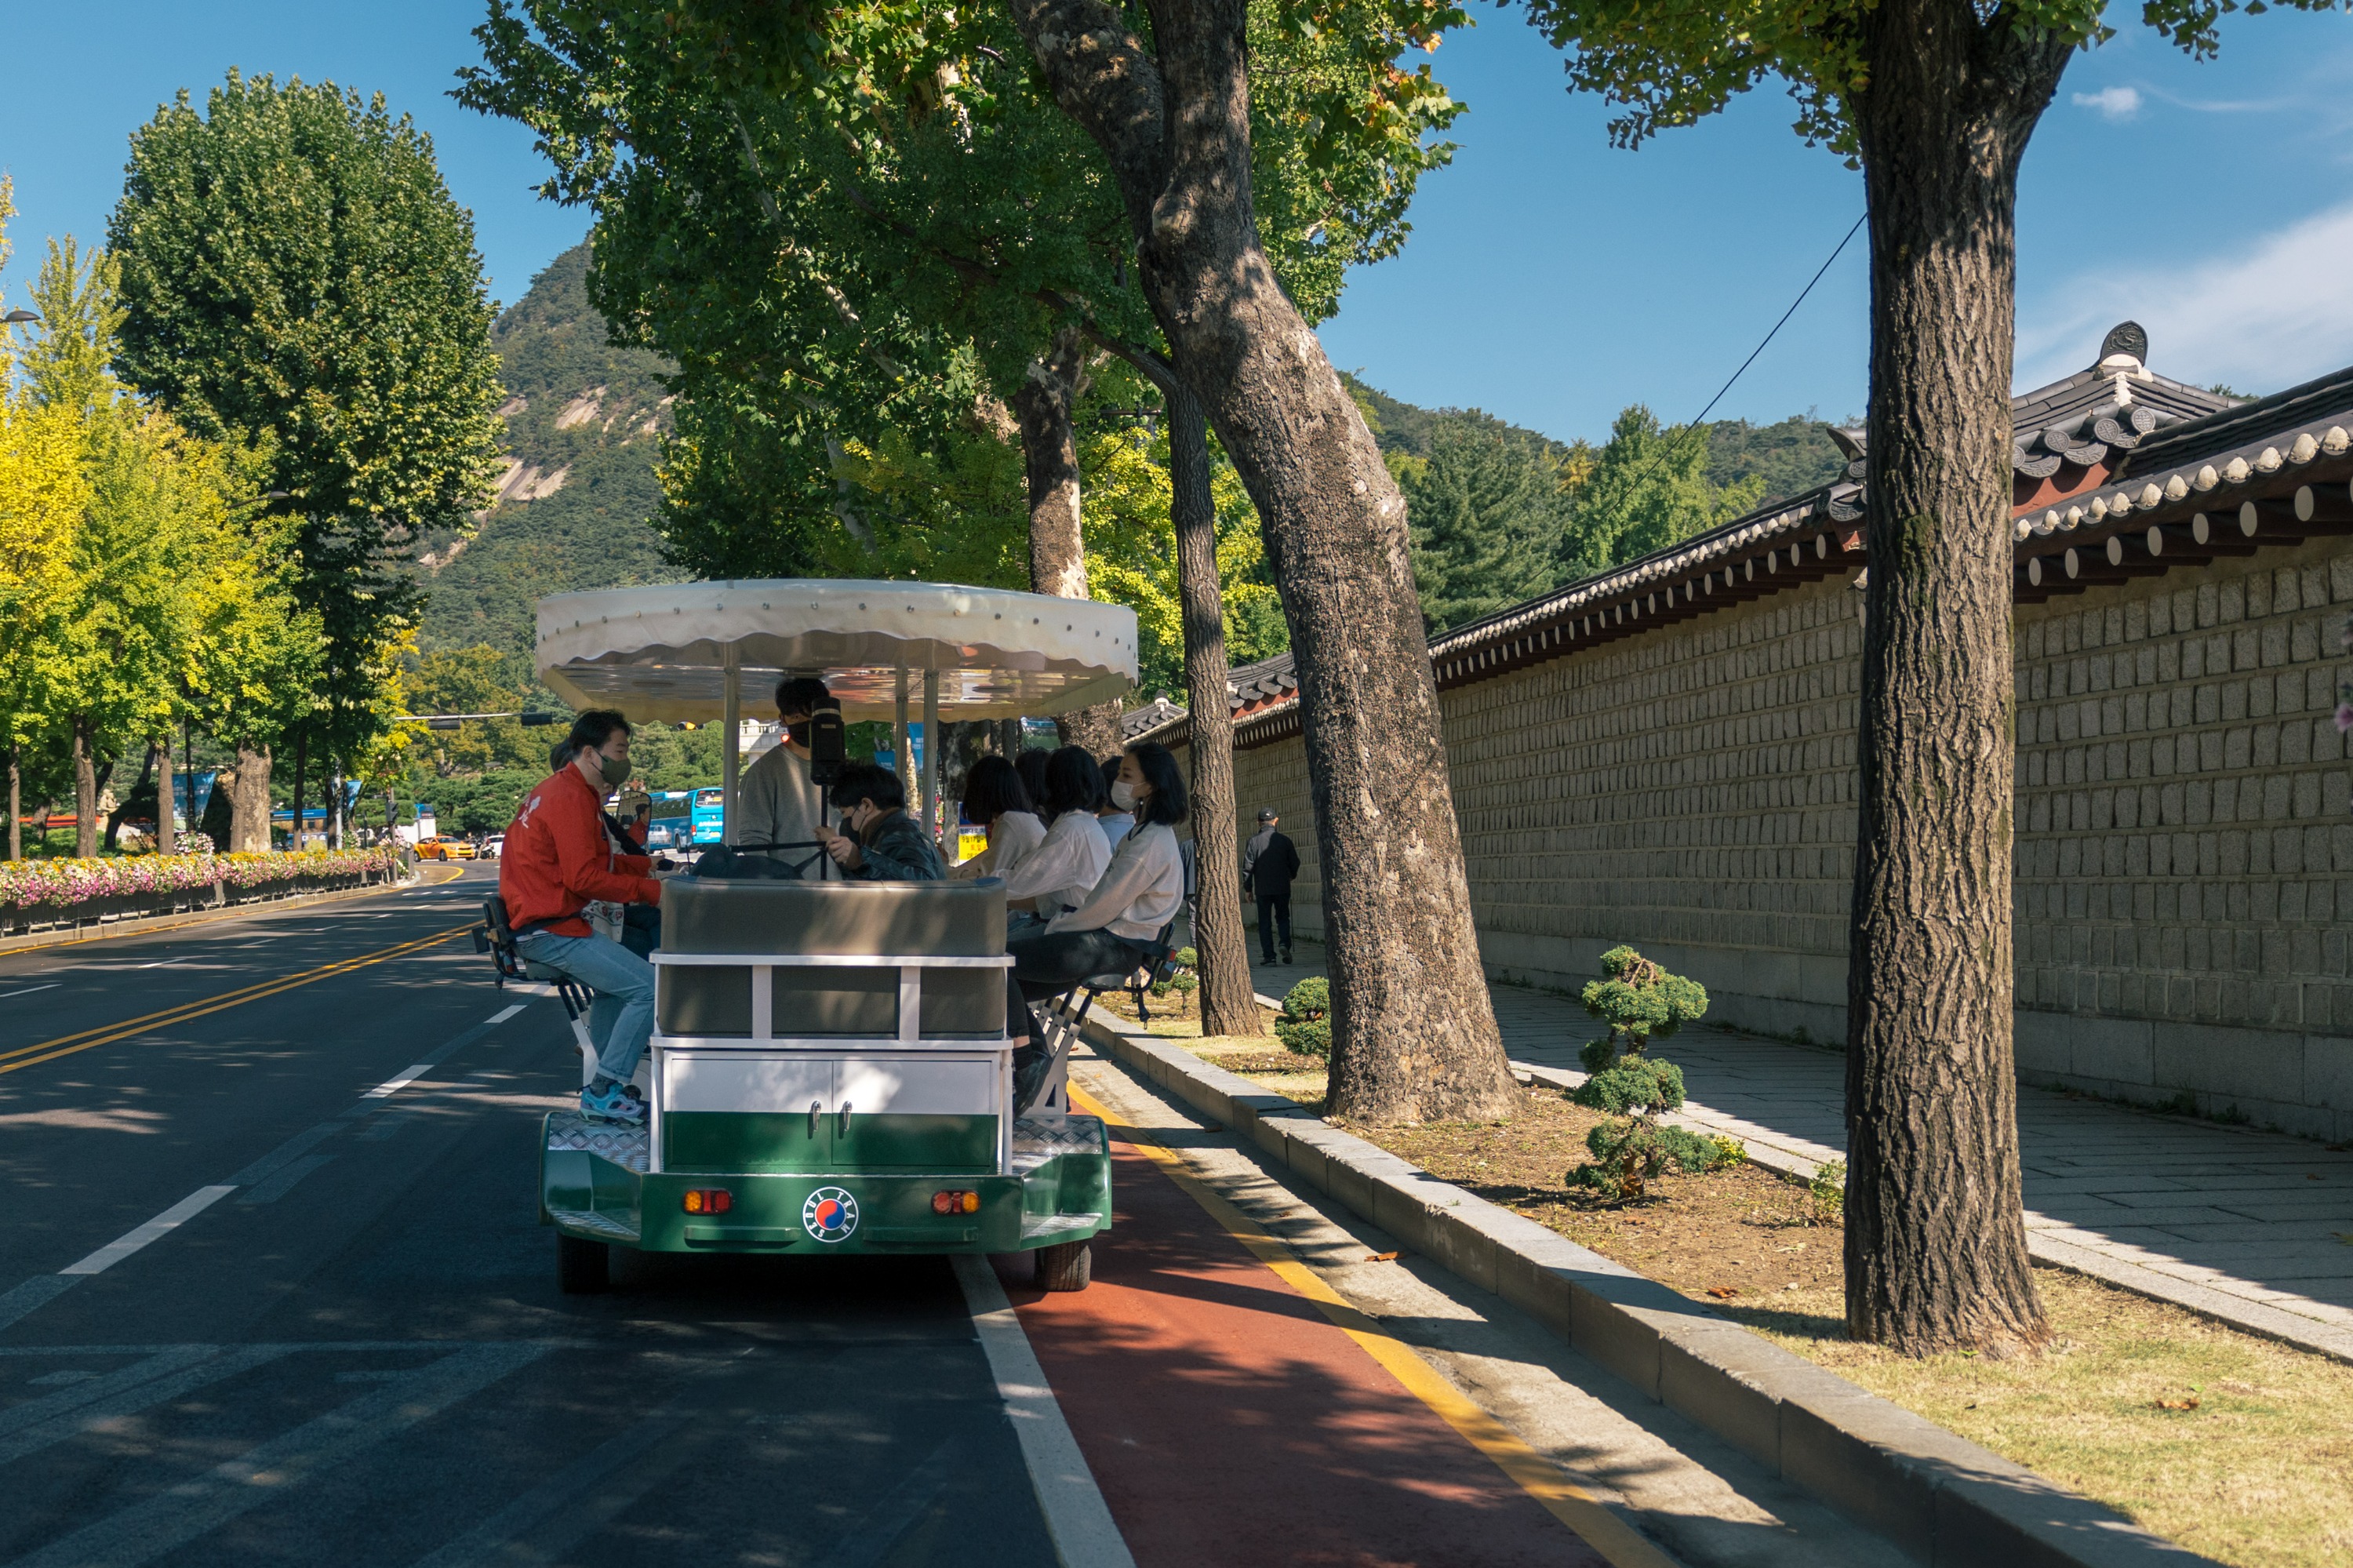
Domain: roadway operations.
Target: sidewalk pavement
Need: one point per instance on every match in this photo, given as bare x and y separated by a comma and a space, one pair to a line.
2254, 1228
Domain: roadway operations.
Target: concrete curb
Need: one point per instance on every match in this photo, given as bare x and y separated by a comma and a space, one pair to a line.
1943, 1499
143, 924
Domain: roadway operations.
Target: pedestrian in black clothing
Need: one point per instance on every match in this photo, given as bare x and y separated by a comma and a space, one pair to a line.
1269, 865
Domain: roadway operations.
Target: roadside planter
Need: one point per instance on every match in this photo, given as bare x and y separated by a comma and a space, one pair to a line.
46, 895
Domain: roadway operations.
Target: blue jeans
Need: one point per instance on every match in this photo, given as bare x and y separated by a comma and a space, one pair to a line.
622, 1017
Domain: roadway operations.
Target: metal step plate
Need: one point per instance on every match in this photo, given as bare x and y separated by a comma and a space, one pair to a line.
625, 1146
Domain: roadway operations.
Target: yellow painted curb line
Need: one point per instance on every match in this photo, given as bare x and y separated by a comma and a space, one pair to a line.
107, 1034
1538, 1477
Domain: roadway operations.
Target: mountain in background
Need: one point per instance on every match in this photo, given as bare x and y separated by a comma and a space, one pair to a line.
577, 502
1791, 456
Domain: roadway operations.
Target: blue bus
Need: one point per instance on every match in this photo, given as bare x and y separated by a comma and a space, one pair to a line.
710, 816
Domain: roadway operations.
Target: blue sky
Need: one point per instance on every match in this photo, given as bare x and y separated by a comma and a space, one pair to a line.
1550, 280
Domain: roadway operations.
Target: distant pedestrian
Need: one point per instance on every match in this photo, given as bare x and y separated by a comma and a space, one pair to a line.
1269, 865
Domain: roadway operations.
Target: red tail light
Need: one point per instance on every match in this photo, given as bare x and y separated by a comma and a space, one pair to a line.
955, 1202
707, 1200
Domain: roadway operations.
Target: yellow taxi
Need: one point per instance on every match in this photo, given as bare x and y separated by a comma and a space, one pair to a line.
445, 849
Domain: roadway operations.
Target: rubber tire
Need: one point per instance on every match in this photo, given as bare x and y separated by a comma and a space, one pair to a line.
1065, 1266
582, 1268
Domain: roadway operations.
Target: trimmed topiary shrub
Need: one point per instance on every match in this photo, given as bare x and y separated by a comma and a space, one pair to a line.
1637, 1001
1304, 1025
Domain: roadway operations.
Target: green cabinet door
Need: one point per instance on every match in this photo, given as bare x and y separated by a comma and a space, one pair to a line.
916, 1114
735, 1111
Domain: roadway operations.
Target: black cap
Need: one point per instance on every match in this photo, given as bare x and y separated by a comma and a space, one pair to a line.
1266, 813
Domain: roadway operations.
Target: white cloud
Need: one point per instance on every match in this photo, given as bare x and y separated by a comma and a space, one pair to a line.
2266, 314
2114, 102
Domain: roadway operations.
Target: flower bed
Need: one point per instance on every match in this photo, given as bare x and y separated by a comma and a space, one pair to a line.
71, 892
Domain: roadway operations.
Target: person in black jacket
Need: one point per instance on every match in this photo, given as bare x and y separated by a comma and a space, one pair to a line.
1269, 865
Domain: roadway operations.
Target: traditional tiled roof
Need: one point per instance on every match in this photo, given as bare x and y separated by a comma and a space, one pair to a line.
2181, 476
1150, 716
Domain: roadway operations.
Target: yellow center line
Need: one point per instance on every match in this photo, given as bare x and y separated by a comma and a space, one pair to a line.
1538, 1477
107, 1034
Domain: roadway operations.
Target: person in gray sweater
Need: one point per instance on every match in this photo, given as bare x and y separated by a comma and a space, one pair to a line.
775, 801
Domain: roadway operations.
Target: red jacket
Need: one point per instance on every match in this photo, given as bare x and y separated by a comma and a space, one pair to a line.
557, 857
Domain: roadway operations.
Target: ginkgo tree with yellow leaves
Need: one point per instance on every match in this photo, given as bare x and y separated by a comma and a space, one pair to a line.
140, 584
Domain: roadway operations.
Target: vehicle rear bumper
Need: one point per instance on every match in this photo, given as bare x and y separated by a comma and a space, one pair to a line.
592, 1184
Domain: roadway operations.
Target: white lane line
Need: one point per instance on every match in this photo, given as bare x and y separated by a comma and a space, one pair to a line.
170, 1519
408, 1076
170, 1220
1076, 1516
28, 991
509, 1013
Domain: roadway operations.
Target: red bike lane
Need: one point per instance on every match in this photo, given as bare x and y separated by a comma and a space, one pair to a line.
1229, 1421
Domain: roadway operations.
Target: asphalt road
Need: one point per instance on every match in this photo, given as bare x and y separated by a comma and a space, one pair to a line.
273, 1290
359, 1354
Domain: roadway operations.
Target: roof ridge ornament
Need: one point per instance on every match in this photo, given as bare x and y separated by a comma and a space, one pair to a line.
2129, 338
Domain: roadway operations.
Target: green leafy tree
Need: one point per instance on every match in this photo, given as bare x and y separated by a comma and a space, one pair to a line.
1649, 489
1936, 99
1489, 507
297, 279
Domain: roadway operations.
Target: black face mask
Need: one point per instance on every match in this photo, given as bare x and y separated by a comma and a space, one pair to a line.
798, 733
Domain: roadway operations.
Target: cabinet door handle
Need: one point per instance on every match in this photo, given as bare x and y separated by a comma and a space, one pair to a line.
814, 1107
841, 1122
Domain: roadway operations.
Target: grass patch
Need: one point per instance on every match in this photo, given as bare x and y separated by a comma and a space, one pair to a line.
2252, 1473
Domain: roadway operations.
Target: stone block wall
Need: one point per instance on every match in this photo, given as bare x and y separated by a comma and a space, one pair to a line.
2185, 825
2185, 839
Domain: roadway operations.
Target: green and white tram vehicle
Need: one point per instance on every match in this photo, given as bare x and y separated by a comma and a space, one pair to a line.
829, 1071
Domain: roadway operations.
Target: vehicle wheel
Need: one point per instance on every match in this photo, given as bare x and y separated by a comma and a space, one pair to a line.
1065, 1266
582, 1268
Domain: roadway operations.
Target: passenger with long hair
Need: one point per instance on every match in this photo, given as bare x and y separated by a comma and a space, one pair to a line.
995, 799
1073, 854
1115, 927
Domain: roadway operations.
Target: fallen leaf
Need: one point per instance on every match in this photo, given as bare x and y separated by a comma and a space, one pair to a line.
1723, 1292
2177, 1404
2312, 1178
1381, 1257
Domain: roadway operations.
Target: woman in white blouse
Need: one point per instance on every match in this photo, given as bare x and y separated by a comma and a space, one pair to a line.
1070, 858
1118, 925
993, 798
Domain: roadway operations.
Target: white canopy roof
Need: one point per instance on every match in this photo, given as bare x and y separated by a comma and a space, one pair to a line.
662, 652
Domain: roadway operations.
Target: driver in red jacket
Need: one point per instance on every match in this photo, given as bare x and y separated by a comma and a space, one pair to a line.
558, 857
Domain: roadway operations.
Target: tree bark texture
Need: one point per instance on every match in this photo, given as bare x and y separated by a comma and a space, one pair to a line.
1936, 1237
248, 787
1044, 409
1229, 1006
15, 808
85, 772
167, 836
1414, 1033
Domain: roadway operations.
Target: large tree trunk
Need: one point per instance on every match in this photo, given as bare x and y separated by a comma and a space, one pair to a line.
1228, 1002
1414, 1033
167, 839
85, 771
248, 787
1049, 459
15, 808
1936, 1239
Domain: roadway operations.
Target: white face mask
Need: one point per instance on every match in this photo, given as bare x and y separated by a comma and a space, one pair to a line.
1122, 794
